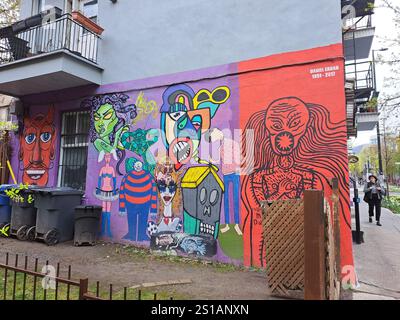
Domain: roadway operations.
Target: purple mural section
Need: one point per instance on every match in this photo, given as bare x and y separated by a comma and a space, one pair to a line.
155, 159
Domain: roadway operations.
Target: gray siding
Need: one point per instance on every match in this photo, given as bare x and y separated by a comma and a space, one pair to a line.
145, 38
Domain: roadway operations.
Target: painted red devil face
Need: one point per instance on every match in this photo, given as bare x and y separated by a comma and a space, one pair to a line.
37, 148
286, 122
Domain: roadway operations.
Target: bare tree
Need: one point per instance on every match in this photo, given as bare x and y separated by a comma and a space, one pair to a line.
9, 11
389, 102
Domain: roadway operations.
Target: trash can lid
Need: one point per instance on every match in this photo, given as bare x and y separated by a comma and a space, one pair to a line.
89, 207
59, 191
4, 187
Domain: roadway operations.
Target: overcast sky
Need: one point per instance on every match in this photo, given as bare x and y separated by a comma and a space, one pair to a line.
384, 26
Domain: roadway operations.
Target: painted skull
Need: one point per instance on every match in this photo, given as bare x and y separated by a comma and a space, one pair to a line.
204, 205
286, 122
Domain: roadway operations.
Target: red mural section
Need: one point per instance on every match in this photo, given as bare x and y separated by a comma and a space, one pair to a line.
37, 148
293, 113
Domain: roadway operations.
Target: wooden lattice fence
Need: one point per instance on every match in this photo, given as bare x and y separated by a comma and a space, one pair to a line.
283, 234
285, 246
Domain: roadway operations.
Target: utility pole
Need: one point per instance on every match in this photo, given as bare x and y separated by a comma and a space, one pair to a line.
379, 148
386, 155
377, 124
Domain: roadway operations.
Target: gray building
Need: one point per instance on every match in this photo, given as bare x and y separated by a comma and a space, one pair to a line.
147, 38
88, 71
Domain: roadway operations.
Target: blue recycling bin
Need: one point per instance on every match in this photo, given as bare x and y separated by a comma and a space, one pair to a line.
5, 205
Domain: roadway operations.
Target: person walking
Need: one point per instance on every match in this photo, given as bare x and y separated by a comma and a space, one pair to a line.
374, 193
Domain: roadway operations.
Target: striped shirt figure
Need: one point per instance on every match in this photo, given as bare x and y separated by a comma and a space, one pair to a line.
138, 199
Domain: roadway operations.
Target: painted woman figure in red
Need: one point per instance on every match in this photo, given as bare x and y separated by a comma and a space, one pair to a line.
296, 147
107, 192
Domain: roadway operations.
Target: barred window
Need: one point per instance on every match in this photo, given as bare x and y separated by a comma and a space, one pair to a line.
74, 149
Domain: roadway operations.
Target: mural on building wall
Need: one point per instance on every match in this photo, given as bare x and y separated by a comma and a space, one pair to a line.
37, 148
185, 116
230, 236
145, 108
138, 201
202, 195
176, 209
169, 198
107, 191
159, 188
110, 119
109, 122
148, 168
139, 142
175, 242
296, 147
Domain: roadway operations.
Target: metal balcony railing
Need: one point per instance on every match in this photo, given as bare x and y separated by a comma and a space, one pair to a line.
358, 23
61, 34
363, 75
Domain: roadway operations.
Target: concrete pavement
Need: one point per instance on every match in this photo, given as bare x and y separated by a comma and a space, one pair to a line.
377, 260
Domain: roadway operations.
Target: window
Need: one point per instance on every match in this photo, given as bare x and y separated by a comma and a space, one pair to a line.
42, 5
73, 150
90, 9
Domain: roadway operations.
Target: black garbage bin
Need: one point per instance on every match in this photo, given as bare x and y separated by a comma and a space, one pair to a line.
23, 215
5, 207
55, 213
87, 221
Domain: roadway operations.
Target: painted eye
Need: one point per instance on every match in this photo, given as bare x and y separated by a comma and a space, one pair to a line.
176, 115
277, 126
214, 197
30, 138
45, 136
108, 116
96, 118
294, 123
203, 195
172, 187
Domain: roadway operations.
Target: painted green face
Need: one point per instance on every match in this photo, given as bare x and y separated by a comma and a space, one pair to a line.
105, 119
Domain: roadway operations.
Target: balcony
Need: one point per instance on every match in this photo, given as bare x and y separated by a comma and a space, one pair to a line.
367, 118
350, 109
363, 74
56, 55
358, 35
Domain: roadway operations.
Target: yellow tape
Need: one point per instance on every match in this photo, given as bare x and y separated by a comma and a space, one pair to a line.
11, 171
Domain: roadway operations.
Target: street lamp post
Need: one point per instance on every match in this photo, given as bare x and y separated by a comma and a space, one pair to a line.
377, 124
378, 134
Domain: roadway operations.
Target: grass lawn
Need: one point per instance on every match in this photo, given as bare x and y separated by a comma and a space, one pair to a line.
394, 188
392, 203
41, 294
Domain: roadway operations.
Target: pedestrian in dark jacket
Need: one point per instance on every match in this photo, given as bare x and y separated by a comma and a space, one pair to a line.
374, 193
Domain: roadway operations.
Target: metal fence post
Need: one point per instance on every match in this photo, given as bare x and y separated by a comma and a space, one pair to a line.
83, 288
314, 246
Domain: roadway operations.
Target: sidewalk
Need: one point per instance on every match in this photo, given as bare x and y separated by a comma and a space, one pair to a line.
377, 260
